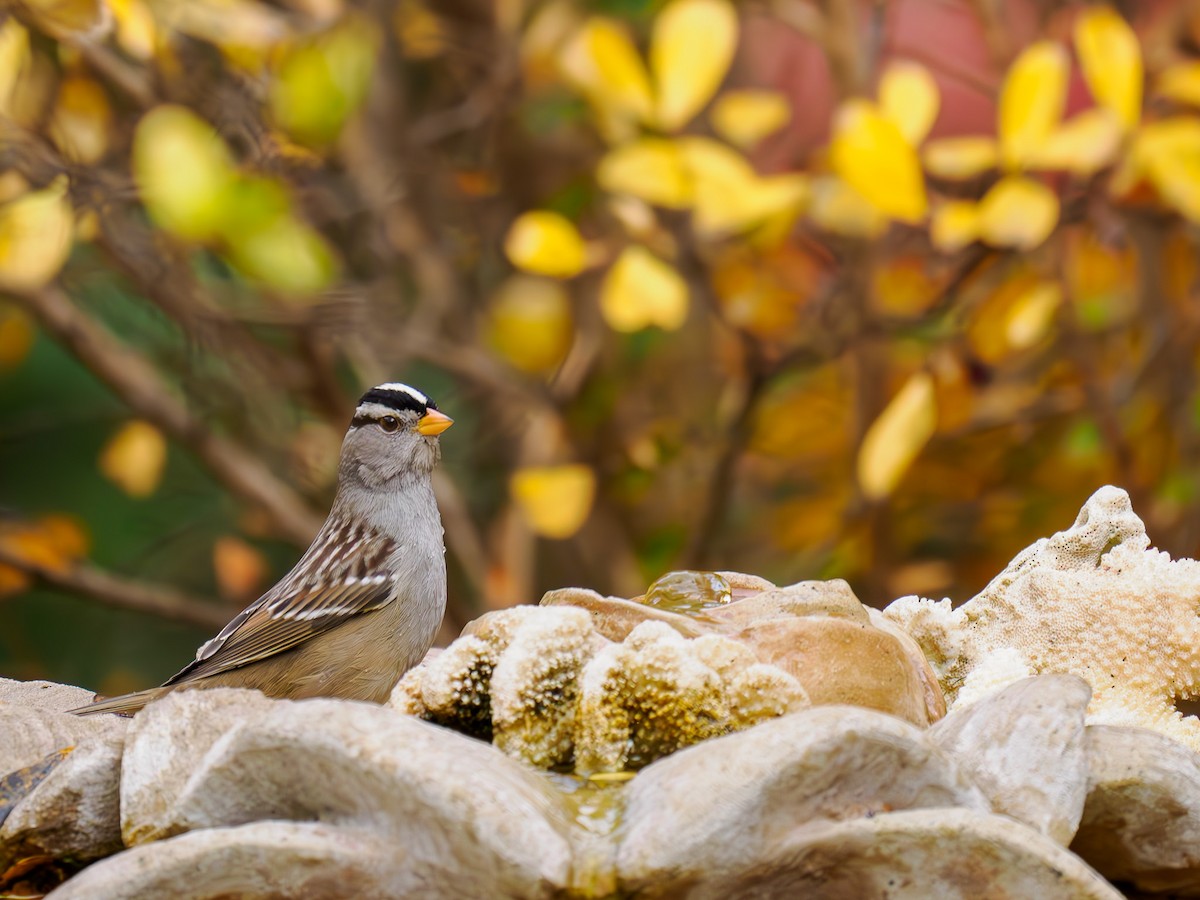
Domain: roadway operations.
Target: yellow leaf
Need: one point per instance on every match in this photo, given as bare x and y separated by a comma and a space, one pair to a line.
320, 83
1181, 82
729, 196
909, 96
14, 58
136, 32
1168, 152
650, 169
69, 19
641, 290
746, 117
1031, 315
961, 157
1017, 212
184, 172
603, 63
840, 209
529, 323
1111, 59
690, 52
895, 439
36, 233
554, 500
81, 120
16, 336
284, 254
955, 225
545, 243
1083, 145
1031, 101
240, 569
134, 458
871, 155
543, 35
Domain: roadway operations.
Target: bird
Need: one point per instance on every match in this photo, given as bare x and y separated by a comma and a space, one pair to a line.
364, 602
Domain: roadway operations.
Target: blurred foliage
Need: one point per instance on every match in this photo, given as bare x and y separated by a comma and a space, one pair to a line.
806, 289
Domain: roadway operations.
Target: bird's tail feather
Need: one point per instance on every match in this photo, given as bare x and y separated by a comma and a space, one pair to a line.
126, 704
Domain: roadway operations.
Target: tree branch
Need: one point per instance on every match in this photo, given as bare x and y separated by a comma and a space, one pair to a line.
136, 382
121, 593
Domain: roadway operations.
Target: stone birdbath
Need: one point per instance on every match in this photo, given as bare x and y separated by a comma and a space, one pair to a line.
719, 736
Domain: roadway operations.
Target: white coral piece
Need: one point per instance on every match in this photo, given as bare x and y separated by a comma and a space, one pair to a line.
546, 687
1093, 600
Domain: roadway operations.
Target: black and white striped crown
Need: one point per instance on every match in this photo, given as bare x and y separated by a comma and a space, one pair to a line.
387, 399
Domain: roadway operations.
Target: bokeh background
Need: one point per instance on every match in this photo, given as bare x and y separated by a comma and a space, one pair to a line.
875, 290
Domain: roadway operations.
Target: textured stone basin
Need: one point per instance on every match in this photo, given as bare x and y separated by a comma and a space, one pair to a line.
774, 742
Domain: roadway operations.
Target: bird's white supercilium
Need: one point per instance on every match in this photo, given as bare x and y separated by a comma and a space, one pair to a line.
364, 602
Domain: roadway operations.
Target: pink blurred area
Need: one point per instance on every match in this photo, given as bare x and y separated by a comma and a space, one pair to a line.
966, 54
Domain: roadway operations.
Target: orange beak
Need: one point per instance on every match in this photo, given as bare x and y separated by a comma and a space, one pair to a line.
433, 422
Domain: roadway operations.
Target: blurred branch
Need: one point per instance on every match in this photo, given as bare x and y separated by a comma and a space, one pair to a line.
133, 82
720, 482
121, 593
137, 383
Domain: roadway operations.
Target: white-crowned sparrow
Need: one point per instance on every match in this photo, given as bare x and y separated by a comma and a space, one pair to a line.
364, 602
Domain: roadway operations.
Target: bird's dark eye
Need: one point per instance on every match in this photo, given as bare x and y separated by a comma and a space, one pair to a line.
389, 423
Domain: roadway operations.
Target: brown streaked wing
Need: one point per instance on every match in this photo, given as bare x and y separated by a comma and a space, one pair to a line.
262, 631
341, 575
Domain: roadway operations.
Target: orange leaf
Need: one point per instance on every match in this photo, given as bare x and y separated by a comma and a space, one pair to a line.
240, 569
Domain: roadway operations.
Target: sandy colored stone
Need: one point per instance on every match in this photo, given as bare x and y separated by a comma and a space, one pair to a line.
1024, 746
614, 617
464, 803
1094, 601
33, 724
925, 854
713, 807
1141, 821
293, 860
45, 695
72, 813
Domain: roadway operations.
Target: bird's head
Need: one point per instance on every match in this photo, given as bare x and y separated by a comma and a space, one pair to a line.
393, 437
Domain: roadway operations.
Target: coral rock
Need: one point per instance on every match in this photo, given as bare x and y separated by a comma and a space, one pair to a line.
1093, 600
546, 687
816, 631
654, 693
